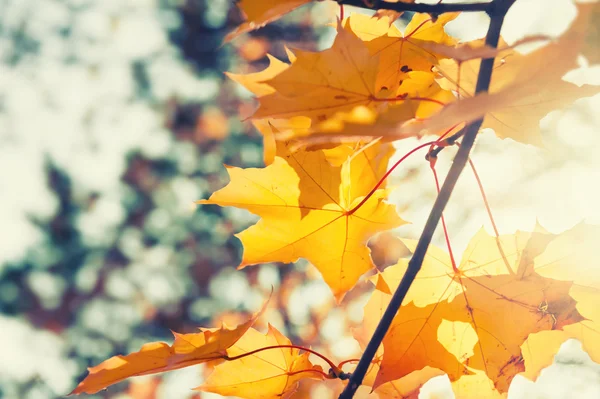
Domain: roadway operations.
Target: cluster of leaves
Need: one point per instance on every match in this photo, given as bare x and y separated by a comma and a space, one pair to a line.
327, 119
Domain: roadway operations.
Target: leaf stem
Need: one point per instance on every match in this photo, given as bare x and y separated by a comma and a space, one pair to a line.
380, 182
329, 362
324, 374
497, 10
485, 200
347, 361
446, 236
489, 212
438, 8
425, 99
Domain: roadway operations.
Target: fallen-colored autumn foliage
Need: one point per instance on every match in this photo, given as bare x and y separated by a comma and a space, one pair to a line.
327, 119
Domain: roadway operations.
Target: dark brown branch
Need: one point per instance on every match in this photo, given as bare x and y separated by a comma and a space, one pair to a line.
497, 12
418, 7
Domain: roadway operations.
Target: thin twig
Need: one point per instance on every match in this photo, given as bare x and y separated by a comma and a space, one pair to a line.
489, 212
438, 8
497, 11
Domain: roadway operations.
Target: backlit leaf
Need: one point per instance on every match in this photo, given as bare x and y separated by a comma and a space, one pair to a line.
489, 287
156, 357
304, 202
268, 374
525, 88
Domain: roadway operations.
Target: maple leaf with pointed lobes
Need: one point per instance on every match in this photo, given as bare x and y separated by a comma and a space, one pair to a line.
406, 387
412, 352
571, 256
400, 53
268, 374
489, 287
316, 85
363, 121
261, 12
524, 88
304, 203
254, 82
156, 357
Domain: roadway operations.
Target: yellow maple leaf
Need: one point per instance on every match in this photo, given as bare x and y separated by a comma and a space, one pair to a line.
571, 256
254, 82
267, 374
488, 287
476, 386
261, 12
329, 85
156, 357
318, 84
363, 121
304, 203
524, 88
400, 53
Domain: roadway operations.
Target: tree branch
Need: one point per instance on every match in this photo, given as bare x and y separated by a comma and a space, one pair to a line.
439, 8
497, 11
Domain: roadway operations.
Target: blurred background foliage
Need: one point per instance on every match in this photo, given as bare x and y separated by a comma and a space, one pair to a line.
114, 117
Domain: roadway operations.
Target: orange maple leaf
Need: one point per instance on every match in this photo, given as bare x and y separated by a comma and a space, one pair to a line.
407, 387
489, 287
267, 374
305, 206
156, 357
261, 12
411, 352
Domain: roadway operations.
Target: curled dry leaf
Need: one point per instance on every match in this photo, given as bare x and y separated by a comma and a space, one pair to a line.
156, 357
304, 203
267, 374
